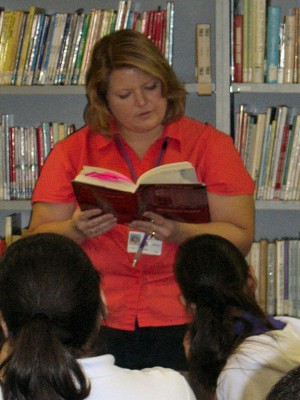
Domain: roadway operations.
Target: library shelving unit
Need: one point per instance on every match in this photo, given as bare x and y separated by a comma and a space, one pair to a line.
274, 219
32, 105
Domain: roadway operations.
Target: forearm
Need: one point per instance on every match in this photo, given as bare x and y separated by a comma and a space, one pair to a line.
65, 227
240, 236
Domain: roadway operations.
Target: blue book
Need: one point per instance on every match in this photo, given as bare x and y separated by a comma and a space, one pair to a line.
272, 54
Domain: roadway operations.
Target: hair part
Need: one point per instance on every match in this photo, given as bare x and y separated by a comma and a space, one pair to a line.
128, 49
50, 302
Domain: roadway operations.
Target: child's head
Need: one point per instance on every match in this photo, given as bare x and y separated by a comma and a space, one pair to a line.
50, 310
207, 265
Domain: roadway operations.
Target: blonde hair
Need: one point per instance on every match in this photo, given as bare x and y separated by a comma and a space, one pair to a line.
128, 49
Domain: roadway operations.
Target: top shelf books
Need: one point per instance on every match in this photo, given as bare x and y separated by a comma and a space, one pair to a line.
264, 43
37, 48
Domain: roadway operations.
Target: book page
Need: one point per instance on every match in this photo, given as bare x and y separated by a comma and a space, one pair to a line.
179, 172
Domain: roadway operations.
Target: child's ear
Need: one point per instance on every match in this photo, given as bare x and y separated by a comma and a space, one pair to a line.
251, 280
3, 325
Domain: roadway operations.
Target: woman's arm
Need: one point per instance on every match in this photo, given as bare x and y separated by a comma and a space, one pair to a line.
66, 219
232, 217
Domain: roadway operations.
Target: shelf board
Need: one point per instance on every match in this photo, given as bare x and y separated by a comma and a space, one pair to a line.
15, 205
265, 88
279, 205
42, 90
25, 205
66, 90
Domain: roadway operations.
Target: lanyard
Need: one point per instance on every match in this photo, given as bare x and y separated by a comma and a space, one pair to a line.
128, 161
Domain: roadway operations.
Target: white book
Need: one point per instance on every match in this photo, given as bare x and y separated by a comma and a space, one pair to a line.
279, 277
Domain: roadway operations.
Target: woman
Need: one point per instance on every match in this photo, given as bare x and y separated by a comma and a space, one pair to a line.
134, 122
50, 311
233, 348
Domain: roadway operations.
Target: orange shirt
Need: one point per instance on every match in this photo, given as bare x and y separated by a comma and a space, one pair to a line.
149, 291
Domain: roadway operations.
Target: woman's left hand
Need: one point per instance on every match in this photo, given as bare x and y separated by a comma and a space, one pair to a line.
158, 227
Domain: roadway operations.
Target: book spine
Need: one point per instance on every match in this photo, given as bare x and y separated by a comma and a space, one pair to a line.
85, 29
19, 48
289, 48
281, 162
247, 75
238, 48
273, 40
203, 62
258, 33
296, 44
279, 277
42, 47
25, 44
271, 281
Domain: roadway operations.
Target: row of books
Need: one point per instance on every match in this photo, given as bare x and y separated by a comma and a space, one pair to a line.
37, 48
276, 265
13, 230
23, 151
265, 43
269, 144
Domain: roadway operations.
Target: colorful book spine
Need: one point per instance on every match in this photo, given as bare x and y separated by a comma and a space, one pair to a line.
273, 40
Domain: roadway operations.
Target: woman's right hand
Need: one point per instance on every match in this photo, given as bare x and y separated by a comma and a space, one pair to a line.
67, 219
92, 223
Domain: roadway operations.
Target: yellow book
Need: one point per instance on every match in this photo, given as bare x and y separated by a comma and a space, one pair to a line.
32, 11
6, 34
12, 47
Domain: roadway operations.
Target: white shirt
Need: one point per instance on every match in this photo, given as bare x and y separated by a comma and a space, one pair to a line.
110, 382
259, 362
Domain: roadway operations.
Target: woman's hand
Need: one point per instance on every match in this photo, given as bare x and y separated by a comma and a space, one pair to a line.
92, 223
67, 219
158, 227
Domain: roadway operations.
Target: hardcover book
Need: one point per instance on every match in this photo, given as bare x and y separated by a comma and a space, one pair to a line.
171, 190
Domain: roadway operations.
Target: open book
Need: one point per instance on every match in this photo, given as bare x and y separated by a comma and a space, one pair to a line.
171, 190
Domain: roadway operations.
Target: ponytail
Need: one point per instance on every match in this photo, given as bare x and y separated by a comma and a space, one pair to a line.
40, 366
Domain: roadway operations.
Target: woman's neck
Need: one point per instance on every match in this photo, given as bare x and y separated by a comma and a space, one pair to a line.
140, 142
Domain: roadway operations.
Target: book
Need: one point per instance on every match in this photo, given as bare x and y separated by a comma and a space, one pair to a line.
258, 33
279, 276
25, 43
282, 156
203, 63
247, 21
238, 48
171, 190
13, 227
289, 49
272, 50
281, 117
271, 287
81, 48
257, 146
263, 270
296, 44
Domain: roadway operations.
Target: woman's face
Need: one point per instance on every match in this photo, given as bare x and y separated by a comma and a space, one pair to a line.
135, 100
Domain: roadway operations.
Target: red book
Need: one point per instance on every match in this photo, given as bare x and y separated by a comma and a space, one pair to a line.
40, 147
238, 48
112, 192
12, 163
282, 154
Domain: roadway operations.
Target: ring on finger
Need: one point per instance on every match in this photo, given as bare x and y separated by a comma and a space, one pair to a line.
152, 234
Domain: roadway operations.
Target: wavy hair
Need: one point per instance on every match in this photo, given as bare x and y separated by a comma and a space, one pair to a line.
50, 302
212, 275
128, 49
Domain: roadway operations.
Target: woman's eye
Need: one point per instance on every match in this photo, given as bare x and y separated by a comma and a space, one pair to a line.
123, 95
152, 86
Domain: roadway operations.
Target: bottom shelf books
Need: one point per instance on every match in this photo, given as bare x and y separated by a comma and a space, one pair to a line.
276, 265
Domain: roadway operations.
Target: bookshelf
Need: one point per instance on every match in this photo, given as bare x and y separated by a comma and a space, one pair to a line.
274, 219
31, 105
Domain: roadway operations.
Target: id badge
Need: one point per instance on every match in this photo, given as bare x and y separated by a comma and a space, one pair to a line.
152, 246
